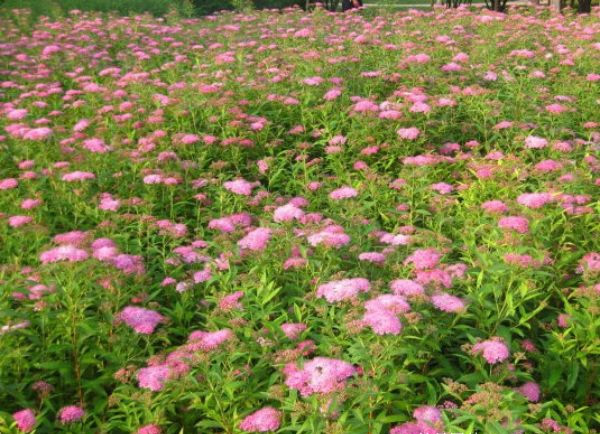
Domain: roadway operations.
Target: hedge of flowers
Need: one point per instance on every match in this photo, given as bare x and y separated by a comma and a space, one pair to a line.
300, 223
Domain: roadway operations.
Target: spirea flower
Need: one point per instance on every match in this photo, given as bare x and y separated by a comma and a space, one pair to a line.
70, 413
493, 350
343, 193
339, 290
25, 419
319, 375
530, 390
153, 377
65, 252
423, 259
142, 320
263, 420
407, 288
239, 186
447, 302
516, 223
149, 429
255, 240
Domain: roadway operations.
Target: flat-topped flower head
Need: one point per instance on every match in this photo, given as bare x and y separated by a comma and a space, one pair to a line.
530, 390
293, 330
406, 287
319, 375
263, 420
516, 223
65, 252
343, 193
382, 322
448, 303
423, 259
153, 377
239, 186
287, 213
142, 320
25, 420
345, 289
256, 240
493, 350
70, 413
200, 340
149, 429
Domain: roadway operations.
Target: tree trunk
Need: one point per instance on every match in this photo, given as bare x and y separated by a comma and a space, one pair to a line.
556, 5
585, 6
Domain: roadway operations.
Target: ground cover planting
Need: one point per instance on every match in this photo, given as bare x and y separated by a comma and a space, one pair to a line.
300, 223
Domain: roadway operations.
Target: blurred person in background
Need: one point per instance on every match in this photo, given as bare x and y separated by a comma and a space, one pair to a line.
351, 4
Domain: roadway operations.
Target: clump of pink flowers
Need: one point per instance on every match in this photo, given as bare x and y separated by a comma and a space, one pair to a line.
25, 419
345, 289
142, 320
493, 350
319, 375
263, 420
70, 413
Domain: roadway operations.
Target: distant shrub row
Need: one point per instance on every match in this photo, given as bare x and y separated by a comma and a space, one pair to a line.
54, 8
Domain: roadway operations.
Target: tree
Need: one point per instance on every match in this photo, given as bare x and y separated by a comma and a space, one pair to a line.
585, 6
496, 5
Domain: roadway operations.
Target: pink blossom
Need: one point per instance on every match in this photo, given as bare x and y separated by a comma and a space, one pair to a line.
16, 221
447, 302
494, 206
255, 240
30, 203
414, 428
494, 350
25, 419
263, 420
38, 134
95, 145
534, 142
332, 94
390, 302
16, 114
63, 253
153, 377
423, 259
339, 290
231, 301
375, 257
343, 193
209, 340
408, 133
287, 213
331, 236
239, 186
516, 223
382, 322
319, 375
293, 330
427, 414
142, 320
531, 391
406, 287
70, 413
534, 200
8, 183
78, 176
149, 429
81, 125
365, 106
442, 188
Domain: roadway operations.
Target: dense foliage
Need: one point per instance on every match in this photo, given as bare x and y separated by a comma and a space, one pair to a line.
300, 223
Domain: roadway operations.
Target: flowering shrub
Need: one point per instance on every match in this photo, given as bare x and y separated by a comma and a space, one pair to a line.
300, 222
